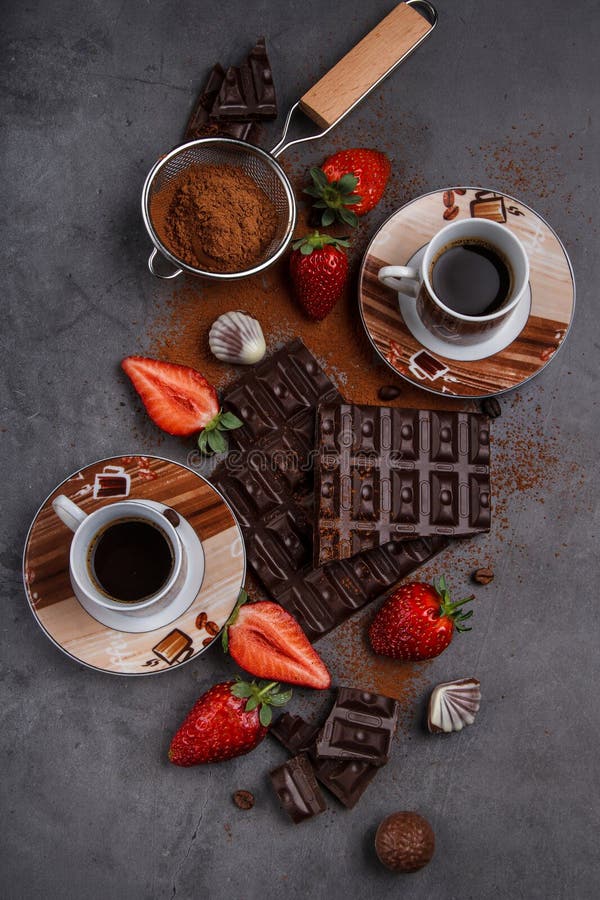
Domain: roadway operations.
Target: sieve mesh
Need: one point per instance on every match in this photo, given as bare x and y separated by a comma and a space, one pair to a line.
262, 168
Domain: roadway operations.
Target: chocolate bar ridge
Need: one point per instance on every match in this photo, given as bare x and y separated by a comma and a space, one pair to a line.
386, 474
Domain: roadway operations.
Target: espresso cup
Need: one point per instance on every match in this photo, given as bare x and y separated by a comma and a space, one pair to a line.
441, 320
88, 529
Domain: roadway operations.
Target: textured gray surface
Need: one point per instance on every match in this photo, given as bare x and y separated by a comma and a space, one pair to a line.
503, 93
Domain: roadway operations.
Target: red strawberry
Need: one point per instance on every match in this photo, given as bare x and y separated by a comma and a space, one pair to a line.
180, 400
229, 720
351, 178
267, 641
319, 269
417, 622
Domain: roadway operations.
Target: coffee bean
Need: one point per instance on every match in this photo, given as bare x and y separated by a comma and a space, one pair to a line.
460, 191
491, 407
207, 641
212, 628
389, 392
201, 620
171, 516
483, 576
448, 199
243, 799
450, 213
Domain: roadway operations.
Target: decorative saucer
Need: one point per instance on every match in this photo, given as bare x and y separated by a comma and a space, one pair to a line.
142, 642
523, 346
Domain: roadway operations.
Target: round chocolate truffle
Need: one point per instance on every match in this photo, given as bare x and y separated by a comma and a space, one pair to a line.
405, 842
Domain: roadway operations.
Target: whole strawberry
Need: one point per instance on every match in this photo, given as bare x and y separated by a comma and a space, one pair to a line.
418, 621
349, 184
229, 720
319, 270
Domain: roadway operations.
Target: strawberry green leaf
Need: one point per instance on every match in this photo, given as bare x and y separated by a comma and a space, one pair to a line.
265, 715
347, 216
280, 699
319, 177
202, 441
228, 421
347, 183
217, 442
252, 704
242, 689
328, 218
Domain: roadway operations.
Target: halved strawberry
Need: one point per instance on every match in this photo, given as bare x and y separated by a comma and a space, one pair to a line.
180, 400
267, 641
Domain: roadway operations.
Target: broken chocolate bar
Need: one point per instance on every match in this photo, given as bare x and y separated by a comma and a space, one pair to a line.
385, 474
202, 124
247, 93
346, 779
268, 480
360, 726
297, 789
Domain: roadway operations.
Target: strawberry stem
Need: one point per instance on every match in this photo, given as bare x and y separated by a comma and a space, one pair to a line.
453, 609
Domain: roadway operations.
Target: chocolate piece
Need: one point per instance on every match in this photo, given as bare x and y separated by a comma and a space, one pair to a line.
453, 705
247, 93
346, 779
491, 407
297, 789
384, 474
361, 726
405, 842
201, 124
268, 480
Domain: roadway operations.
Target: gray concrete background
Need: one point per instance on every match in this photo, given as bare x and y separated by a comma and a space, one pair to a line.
93, 93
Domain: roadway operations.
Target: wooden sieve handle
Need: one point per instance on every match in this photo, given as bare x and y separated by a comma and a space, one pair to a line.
365, 65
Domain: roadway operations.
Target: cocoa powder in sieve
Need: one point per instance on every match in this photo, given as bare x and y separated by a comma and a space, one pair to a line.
214, 218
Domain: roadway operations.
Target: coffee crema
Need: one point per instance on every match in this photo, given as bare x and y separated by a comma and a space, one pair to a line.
471, 277
130, 560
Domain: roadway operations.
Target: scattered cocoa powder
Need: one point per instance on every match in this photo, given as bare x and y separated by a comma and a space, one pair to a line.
214, 218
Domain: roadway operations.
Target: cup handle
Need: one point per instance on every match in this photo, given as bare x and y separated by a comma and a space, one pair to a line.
68, 512
391, 275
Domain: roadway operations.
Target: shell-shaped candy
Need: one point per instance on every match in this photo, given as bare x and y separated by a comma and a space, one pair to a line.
453, 705
236, 337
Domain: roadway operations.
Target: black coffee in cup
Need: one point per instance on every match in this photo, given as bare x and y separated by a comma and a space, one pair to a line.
130, 560
471, 277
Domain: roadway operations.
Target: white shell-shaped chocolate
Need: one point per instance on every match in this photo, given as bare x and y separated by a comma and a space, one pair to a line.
236, 337
453, 705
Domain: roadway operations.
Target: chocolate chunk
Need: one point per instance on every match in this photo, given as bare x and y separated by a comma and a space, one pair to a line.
296, 786
405, 842
201, 124
247, 93
346, 779
360, 726
268, 480
384, 474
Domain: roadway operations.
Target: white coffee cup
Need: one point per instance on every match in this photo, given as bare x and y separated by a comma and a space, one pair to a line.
87, 527
439, 319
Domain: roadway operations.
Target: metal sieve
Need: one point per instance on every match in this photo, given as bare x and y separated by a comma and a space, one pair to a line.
327, 103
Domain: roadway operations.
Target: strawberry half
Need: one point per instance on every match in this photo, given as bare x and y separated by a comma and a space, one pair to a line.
180, 400
229, 720
418, 621
349, 184
267, 641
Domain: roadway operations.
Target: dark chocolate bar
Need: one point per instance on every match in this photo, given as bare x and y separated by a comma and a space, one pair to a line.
268, 480
385, 474
346, 779
296, 786
360, 726
247, 93
202, 124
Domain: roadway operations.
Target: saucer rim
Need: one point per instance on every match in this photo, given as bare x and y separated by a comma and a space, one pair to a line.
430, 390
50, 637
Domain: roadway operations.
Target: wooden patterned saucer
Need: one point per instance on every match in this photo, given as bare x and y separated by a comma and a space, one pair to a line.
552, 295
81, 636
